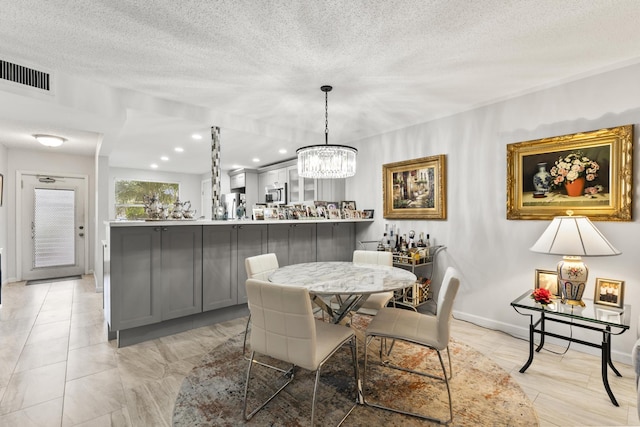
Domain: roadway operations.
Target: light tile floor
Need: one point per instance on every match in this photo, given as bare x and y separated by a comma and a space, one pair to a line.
58, 369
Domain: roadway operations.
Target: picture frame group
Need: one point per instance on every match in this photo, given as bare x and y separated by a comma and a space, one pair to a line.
590, 173
415, 189
609, 292
345, 209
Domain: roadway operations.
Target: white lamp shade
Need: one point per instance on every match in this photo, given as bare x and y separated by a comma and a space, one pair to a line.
573, 236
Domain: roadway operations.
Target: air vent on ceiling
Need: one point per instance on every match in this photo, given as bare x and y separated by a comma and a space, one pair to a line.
23, 75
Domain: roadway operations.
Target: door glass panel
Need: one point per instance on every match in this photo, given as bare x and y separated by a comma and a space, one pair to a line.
53, 228
294, 185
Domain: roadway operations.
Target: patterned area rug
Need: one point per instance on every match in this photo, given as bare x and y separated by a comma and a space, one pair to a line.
483, 393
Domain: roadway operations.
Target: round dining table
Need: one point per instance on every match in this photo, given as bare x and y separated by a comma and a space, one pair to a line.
350, 283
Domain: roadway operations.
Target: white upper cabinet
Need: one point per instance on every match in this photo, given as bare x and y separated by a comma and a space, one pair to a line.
299, 189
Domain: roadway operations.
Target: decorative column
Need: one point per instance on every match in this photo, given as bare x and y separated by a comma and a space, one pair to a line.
217, 209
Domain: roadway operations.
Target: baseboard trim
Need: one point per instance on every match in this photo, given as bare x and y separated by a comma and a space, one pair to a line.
139, 334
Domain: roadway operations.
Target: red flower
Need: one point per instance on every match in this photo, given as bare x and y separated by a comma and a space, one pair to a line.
542, 295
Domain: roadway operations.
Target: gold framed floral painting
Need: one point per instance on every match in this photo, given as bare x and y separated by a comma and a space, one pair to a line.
589, 173
415, 189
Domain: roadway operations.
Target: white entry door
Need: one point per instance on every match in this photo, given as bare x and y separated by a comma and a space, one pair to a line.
53, 226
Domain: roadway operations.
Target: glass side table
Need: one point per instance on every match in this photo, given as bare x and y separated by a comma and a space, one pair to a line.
609, 321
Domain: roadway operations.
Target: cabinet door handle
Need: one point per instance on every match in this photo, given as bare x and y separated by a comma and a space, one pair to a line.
164, 228
156, 228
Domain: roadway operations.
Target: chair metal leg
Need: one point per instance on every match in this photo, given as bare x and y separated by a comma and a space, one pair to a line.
353, 343
450, 367
246, 332
388, 365
244, 354
246, 416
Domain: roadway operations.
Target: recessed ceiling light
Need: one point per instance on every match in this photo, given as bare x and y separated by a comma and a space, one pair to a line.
282, 151
255, 160
196, 136
164, 158
154, 166
235, 166
179, 149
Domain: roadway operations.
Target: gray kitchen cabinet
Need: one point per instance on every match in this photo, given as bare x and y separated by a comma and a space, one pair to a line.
224, 251
219, 266
336, 241
292, 243
181, 272
156, 274
252, 241
135, 289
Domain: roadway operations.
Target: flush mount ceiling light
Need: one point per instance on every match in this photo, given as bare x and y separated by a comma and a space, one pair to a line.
49, 140
328, 160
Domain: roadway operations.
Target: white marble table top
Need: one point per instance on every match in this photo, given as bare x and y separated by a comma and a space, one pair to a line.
330, 278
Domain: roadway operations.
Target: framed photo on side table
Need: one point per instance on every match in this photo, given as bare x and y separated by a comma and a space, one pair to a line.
415, 189
609, 292
548, 279
590, 173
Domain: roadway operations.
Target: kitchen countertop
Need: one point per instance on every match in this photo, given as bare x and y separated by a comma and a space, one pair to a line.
155, 223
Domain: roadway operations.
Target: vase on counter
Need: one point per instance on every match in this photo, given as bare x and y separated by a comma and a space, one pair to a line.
542, 179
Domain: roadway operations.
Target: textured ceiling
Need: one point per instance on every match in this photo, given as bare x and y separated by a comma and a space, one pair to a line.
392, 63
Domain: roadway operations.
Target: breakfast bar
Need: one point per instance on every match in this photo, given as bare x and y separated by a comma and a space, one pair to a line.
163, 277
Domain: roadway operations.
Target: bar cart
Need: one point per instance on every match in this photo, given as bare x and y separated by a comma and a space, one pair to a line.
422, 266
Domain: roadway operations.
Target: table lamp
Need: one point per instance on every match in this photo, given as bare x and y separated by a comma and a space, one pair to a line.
573, 237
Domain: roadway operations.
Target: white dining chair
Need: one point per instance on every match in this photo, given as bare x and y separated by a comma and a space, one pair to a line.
378, 300
284, 328
375, 301
417, 329
258, 267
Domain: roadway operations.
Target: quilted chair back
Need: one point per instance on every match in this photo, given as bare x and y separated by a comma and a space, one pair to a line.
282, 323
261, 266
446, 296
373, 257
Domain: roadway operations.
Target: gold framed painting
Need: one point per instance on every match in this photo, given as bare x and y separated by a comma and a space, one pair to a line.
589, 173
548, 279
609, 292
415, 189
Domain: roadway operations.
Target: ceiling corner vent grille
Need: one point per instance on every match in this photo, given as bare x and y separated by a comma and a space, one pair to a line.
23, 75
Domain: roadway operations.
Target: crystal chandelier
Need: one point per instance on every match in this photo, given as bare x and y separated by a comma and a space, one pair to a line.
328, 160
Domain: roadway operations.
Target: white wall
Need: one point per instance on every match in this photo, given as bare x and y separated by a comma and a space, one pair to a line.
490, 251
46, 163
3, 212
189, 184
